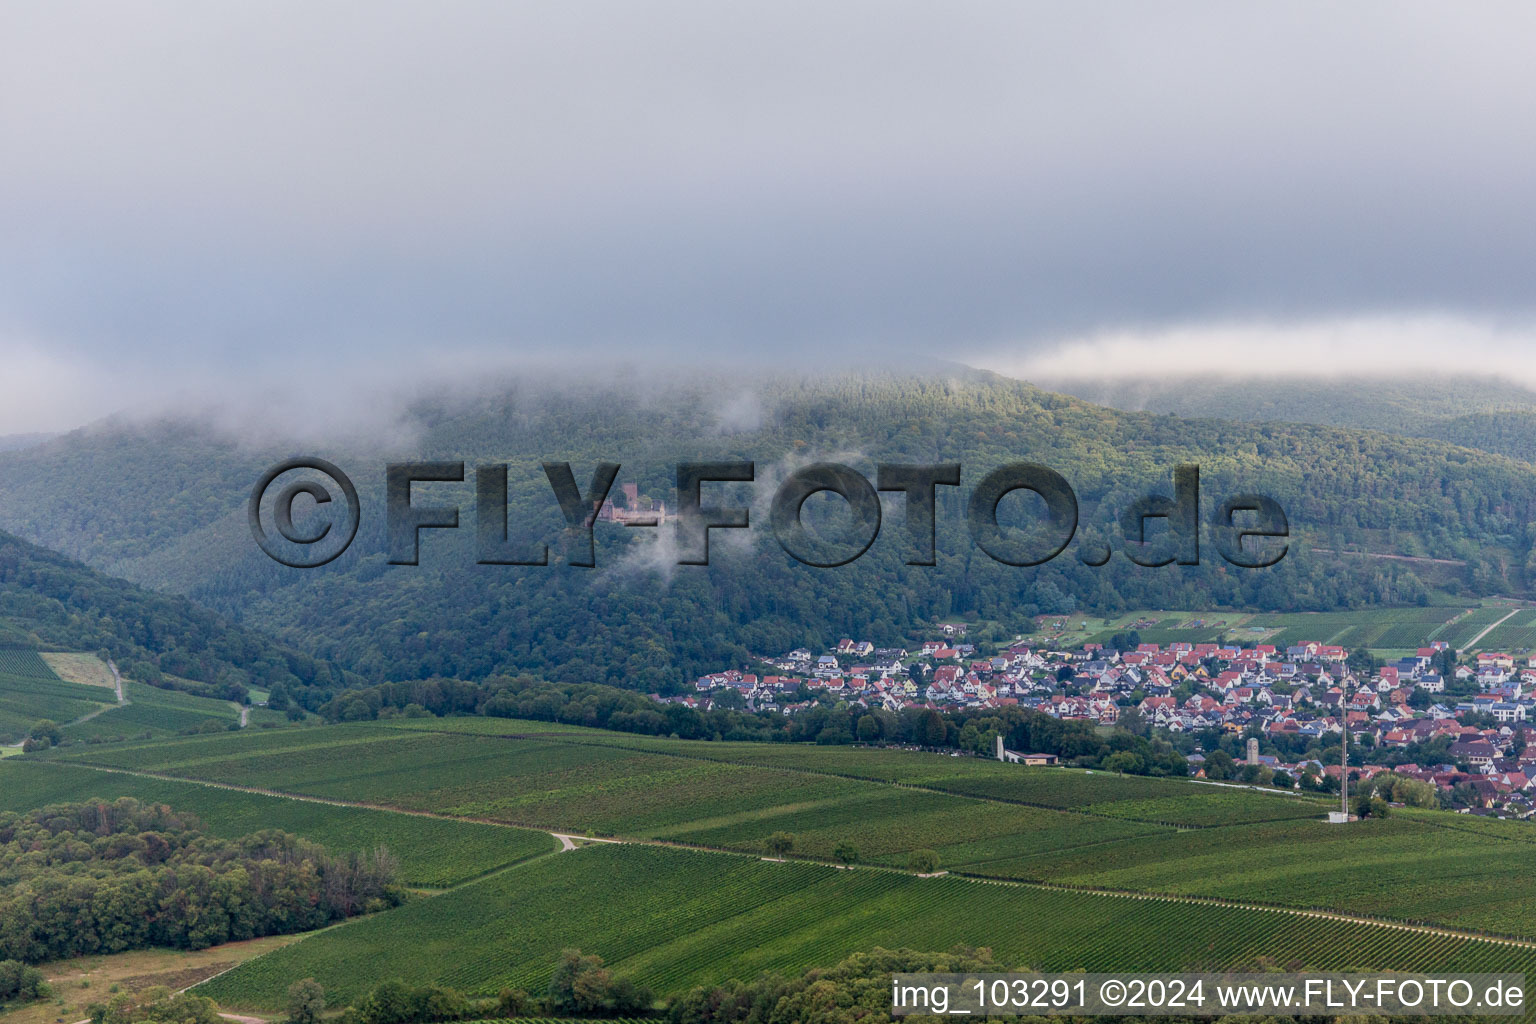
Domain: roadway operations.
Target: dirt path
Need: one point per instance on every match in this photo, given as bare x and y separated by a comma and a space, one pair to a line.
122, 698
568, 840
92, 714
567, 843
1394, 558
237, 1018
1474, 641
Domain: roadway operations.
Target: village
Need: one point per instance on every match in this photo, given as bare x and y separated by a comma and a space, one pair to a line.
1466, 718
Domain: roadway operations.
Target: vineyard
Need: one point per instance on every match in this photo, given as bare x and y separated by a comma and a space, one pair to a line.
1406, 867
24, 663
614, 791
1379, 629
1382, 628
1185, 628
982, 817
1154, 801
30, 692
692, 918
433, 852
1518, 634
153, 713
1461, 632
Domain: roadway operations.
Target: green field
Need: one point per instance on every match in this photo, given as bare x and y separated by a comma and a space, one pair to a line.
1383, 630
1518, 634
30, 692
433, 852
690, 918
152, 712
730, 796
984, 818
1020, 844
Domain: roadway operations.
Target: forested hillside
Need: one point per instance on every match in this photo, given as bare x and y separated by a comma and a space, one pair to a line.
172, 516
1397, 404
1505, 433
48, 601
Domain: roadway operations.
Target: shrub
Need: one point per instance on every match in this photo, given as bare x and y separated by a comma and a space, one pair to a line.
924, 862
306, 1001
779, 844
21, 983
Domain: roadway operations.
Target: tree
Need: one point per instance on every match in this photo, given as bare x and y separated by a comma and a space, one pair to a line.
581, 983
20, 982
856, 990
1415, 793
835, 732
933, 731
869, 729
157, 1005
511, 1002
1123, 762
47, 730
306, 1001
779, 844
1134, 722
846, 853
924, 862
1368, 805
1257, 774
389, 1003
1218, 765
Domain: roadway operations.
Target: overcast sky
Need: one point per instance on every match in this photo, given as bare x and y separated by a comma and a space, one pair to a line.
230, 195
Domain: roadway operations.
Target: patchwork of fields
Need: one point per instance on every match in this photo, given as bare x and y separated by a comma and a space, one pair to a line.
30, 691
984, 818
692, 918
152, 713
885, 802
78, 693
1384, 630
674, 917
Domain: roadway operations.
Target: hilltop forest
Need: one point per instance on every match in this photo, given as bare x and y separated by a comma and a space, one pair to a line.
640, 621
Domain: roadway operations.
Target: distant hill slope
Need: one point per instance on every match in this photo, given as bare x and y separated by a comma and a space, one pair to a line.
14, 442
1401, 405
1505, 433
164, 504
50, 602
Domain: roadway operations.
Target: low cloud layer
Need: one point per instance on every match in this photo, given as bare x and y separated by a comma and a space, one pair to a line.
207, 198
1428, 347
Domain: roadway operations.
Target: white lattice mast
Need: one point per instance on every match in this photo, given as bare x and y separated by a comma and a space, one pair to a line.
1344, 769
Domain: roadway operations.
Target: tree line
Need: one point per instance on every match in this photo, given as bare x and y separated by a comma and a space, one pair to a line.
105, 877
828, 720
